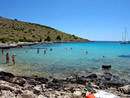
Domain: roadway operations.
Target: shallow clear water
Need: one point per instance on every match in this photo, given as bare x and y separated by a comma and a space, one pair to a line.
63, 61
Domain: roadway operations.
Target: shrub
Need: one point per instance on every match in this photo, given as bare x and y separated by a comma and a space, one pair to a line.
33, 36
21, 40
75, 37
29, 40
14, 40
25, 32
30, 30
48, 32
48, 38
4, 40
25, 40
40, 40
22, 29
58, 38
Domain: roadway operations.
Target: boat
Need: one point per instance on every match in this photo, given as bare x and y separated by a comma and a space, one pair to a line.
125, 56
125, 38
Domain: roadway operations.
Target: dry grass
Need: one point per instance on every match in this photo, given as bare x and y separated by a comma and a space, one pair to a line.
14, 30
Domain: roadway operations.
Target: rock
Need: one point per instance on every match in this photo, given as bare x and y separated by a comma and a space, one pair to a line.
41, 96
55, 86
26, 96
92, 76
6, 88
37, 92
77, 94
42, 80
2, 73
71, 87
125, 89
18, 92
107, 76
81, 80
58, 80
6, 76
71, 79
19, 81
106, 67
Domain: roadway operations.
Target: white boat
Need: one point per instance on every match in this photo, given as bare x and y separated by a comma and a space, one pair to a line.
125, 38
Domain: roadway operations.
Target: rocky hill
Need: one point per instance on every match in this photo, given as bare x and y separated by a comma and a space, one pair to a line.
15, 31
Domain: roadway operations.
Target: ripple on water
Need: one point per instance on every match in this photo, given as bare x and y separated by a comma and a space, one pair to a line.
62, 63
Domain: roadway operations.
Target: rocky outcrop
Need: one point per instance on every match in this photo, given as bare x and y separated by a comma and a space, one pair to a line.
72, 87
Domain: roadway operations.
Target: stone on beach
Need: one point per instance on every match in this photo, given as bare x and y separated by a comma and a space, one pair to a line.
40, 87
125, 89
106, 67
77, 94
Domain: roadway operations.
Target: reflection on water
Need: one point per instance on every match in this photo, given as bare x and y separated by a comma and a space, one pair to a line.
68, 59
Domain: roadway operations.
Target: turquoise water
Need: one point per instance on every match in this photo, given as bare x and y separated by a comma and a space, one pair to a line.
63, 61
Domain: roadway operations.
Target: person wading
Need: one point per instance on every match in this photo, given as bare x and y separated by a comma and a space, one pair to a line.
13, 59
7, 58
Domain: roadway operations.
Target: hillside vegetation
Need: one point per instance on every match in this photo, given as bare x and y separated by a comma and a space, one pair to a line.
15, 31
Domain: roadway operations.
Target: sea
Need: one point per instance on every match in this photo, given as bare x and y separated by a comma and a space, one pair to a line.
61, 60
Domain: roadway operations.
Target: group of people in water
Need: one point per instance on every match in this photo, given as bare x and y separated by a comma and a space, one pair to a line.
13, 58
44, 50
51, 50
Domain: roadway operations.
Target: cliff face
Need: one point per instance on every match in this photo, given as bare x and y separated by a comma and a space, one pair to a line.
14, 30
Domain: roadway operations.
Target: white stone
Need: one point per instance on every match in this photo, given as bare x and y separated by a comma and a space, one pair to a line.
77, 94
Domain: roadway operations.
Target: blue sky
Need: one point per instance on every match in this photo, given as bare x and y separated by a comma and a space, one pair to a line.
91, 19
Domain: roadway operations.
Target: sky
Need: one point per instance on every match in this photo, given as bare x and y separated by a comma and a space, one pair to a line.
98, 20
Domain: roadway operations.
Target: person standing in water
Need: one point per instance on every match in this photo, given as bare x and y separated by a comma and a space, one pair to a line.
7, 58
44, 51
13, 59
2, 51
50, 49
38, 50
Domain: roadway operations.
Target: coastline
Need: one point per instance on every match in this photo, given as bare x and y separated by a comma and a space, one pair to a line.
71, 87
41, 87
21, 44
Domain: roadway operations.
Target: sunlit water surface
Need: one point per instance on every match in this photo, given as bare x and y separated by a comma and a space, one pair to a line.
67, 59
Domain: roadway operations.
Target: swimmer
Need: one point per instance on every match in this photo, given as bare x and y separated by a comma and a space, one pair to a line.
86, 52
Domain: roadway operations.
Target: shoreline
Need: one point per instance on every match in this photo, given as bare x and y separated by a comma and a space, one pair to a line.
21, 44
41, 87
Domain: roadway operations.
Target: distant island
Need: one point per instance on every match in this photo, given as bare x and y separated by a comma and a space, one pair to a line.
18, 31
